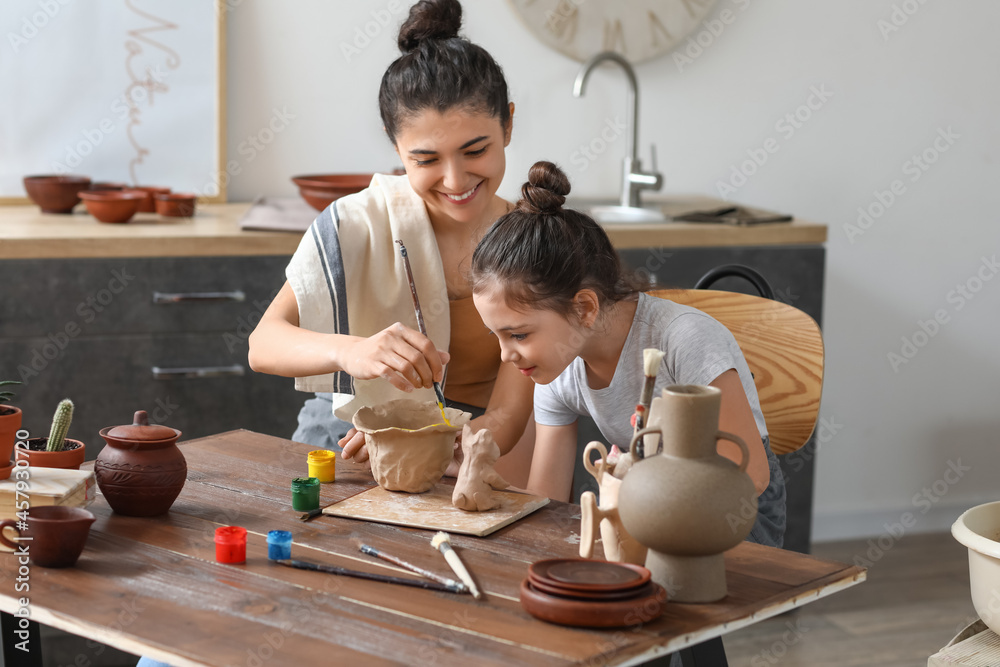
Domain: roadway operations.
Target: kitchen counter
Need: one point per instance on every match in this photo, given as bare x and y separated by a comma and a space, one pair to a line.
26, 233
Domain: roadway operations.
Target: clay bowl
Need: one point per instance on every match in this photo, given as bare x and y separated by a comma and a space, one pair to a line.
112, 205
583, 575
55, 194
409, 444
107, 185
321, 190
175, 204
645, 606
148, 205
979, 530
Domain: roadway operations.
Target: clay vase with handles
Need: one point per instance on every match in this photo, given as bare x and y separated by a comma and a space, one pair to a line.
141, 471
619, 546
688, 503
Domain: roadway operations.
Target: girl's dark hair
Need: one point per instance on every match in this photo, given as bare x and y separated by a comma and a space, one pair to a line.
542, 254
439, 70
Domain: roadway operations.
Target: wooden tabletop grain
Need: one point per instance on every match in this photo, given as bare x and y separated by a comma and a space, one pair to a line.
151, 586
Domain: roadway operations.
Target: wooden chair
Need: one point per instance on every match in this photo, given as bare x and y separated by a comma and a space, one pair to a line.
783, 347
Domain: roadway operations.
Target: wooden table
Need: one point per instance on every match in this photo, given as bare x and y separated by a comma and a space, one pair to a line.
151, 586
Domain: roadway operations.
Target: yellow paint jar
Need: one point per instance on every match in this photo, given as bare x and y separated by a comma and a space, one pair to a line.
322, 464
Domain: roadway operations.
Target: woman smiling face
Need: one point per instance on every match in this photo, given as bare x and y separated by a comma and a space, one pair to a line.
455, 162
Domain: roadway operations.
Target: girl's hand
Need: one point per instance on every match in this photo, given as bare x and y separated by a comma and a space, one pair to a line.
354, 446
405, 358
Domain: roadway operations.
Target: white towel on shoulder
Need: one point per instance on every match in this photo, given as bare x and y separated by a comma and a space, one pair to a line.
348, 278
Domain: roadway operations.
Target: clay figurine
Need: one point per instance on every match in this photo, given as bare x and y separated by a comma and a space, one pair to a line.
476, 476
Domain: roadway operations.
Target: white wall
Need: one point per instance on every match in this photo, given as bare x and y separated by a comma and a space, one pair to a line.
891, 432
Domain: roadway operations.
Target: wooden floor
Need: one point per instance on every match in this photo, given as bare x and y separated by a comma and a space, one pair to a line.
915, 600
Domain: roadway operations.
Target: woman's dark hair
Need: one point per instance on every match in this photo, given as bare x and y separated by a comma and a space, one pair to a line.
542, 254
439, 70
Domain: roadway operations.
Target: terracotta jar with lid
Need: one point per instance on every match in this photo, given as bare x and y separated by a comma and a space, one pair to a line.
141, 471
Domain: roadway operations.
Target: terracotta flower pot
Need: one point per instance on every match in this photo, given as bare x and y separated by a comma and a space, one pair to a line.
175, 204
10, 423
55, 194
70, 458
112, 205
141, 471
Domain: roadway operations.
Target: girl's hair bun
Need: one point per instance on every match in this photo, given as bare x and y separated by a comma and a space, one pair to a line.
546, 189
430, 19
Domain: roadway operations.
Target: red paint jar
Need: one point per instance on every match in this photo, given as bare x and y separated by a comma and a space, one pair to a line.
230, 544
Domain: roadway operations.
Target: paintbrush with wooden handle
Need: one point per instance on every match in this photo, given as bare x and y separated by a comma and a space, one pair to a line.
442, 542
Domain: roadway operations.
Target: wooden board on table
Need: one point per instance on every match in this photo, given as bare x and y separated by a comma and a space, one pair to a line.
433, 510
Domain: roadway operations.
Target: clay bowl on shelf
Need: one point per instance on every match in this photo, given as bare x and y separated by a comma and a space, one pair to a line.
112, 205
148, 205
55, 194
175, 204
321, 190
106, 185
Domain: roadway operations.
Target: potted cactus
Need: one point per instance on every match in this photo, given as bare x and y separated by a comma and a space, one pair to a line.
55, 451
10, 423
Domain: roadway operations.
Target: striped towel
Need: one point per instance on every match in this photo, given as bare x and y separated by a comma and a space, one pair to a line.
348, 278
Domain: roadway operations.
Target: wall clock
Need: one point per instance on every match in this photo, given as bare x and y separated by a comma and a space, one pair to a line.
637, 29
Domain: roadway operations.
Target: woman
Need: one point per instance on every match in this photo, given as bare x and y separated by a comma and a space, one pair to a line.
343, 322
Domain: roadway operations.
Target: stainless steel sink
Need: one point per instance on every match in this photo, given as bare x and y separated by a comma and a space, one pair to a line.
609, 215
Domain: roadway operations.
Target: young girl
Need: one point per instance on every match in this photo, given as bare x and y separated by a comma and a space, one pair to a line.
548, 283
344, 321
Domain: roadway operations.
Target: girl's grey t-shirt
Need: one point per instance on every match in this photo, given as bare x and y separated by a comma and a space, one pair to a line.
698, 350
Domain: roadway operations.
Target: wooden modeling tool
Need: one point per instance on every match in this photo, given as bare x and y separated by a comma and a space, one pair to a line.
442, 543
333, 569
420, 322
453, 586
651, 358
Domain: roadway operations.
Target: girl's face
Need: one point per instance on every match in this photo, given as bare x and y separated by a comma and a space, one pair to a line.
455, 162
541, 343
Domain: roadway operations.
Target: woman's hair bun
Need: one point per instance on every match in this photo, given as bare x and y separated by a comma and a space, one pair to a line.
430, 19
546, 189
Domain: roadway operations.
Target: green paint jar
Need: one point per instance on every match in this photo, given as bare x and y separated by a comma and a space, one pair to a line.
305, 494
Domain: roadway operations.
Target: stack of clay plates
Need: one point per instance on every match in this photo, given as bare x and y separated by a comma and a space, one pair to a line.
591, 593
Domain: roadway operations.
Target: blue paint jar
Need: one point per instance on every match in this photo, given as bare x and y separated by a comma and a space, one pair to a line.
279, 545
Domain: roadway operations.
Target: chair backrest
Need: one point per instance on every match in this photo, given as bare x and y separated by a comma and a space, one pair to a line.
783, 347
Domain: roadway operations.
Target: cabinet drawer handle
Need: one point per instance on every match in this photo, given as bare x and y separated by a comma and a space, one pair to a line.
197, 372
178, 297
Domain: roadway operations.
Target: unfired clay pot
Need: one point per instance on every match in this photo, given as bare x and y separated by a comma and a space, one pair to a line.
687, 503
141, 471
618, 544
408, 442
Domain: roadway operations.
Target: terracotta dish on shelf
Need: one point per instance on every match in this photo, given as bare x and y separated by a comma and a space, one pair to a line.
112, 205
175, 204
148, 205
55, 194
321, 190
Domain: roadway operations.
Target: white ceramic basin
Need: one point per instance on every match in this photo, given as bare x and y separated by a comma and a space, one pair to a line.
625, 215
979, 530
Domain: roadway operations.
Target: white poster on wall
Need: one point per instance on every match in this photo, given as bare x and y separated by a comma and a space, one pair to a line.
118, 90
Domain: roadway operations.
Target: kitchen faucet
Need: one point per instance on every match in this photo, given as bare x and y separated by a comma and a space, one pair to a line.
633, 178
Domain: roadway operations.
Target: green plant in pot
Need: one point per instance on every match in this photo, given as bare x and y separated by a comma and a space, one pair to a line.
55, 451
10, 424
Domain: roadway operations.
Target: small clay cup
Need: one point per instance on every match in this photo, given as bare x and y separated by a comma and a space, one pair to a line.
409, 444
112, 205
54, 536
70, 457
175, 204
55, 194
148, 205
